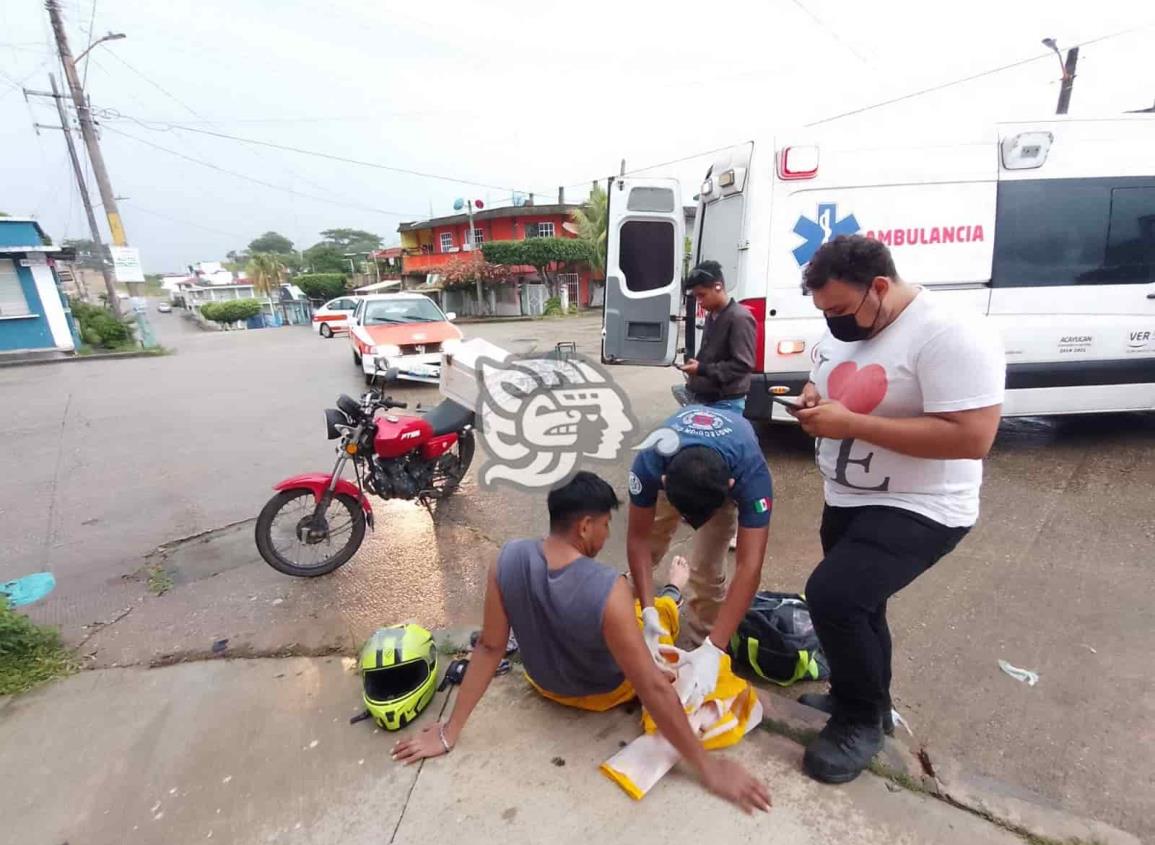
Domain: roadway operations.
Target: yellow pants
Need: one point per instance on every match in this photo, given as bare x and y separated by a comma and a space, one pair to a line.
599, 702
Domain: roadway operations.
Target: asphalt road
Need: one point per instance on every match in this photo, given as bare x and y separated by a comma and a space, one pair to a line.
103, 462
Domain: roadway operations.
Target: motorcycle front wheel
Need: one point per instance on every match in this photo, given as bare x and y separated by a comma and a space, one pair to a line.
290, 542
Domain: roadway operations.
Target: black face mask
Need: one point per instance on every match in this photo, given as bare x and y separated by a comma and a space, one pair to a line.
846, 327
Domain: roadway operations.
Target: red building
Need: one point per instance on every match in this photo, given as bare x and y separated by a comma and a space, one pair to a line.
427, 246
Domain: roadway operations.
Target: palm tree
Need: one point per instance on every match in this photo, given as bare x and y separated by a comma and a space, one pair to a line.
265, 271
591, 221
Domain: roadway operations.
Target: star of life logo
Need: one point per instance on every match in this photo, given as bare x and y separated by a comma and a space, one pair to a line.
825, 226
540, 417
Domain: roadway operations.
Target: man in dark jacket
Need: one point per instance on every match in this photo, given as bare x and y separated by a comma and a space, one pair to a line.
719, 374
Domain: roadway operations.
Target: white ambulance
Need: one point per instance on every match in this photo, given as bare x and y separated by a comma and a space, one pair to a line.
1047, 227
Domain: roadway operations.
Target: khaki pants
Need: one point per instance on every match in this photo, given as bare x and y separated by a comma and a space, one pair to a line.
708, 559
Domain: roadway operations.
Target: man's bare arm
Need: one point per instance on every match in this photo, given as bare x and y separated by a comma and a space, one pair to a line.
639, 554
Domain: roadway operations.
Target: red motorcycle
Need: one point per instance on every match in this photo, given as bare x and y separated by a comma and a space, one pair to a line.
316, 522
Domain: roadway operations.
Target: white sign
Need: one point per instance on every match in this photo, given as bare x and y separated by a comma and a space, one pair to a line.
126, 261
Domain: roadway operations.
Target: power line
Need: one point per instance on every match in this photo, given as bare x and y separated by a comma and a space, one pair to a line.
330, 157
830, 30
256, 181
91, 24
158, 86
132, 204
966, 79
197, 114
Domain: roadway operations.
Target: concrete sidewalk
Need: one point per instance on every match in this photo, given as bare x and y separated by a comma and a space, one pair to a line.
258, 751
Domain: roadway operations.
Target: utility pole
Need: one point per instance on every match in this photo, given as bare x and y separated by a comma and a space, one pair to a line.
87, 130
1068, 80
94, 230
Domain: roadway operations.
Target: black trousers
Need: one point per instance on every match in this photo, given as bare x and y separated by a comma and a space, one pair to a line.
870, 554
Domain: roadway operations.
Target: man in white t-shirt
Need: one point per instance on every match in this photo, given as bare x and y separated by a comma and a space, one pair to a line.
904, 402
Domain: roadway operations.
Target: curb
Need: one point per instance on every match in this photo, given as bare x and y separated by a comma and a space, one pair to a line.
944, 778
72, 359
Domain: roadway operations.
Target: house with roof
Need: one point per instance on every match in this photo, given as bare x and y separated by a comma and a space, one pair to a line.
34, 314
429, 247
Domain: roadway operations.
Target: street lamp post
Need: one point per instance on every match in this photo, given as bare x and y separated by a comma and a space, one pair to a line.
1068, 73
112, 36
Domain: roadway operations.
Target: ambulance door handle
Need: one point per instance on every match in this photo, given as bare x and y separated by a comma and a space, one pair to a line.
1151, 296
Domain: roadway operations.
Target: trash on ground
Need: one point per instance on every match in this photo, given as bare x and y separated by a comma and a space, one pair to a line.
558, 761
220, 645
1025, 675
28, 589
1089, 648
896, 717
226, 779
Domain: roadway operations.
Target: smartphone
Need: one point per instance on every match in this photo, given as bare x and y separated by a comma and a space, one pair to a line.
792, 402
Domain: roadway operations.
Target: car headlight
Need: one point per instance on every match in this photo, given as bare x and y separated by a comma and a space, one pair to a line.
450, 346
389, 350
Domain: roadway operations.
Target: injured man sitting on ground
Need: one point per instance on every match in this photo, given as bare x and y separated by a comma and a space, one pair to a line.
580, 636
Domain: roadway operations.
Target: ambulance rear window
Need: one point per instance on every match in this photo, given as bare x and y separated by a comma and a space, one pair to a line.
646, 254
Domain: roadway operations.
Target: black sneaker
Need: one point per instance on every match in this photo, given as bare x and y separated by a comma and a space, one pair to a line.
825, 702
842, 750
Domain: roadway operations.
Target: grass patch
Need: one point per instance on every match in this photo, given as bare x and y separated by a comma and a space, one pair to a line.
159, 579
901, 778
86, 350
30, 654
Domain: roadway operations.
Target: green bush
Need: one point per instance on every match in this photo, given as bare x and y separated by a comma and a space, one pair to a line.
552, 307
321, 285
231, 310
99, 327
29, 654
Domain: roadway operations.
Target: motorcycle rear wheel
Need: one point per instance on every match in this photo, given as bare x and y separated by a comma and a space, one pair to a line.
280, 544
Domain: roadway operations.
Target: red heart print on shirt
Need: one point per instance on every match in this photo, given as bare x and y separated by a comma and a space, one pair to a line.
860, 391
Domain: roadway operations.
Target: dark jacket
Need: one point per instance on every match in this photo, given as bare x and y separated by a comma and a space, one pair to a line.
725, 356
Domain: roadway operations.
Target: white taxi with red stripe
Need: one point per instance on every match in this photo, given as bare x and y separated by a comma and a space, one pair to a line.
406, 330
334, 315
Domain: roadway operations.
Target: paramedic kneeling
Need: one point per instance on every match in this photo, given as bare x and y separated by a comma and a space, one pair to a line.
704, 467
580, 638
904, 400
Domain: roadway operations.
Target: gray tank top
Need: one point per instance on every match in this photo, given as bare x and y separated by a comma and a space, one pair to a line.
557, 617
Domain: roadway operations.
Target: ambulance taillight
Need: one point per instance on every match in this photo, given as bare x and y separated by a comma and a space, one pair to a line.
757, 309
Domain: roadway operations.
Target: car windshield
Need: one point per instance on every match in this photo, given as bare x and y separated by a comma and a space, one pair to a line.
402, 311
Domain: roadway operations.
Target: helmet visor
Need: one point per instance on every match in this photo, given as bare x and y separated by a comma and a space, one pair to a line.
391, 683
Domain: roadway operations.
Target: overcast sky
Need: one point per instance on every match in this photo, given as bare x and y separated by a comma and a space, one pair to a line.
515, 96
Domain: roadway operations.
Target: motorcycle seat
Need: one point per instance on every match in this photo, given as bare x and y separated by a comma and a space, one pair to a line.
449, 417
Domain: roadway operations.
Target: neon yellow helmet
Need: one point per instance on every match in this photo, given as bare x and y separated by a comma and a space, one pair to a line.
398, 674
